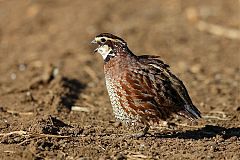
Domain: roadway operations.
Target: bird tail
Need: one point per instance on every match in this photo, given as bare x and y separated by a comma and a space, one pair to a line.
191, 112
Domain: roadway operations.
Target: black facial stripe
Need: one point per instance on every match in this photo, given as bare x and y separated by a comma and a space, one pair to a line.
109, 56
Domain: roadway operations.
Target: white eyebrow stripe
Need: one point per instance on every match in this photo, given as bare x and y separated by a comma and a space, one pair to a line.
154, 65
98, 39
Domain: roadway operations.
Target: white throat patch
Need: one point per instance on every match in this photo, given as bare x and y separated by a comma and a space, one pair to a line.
104, 51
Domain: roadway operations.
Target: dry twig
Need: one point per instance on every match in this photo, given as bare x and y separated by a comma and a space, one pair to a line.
193, 16
215, 117
218, 30
28, 135
186, 125
19, 113
80, 109
137, 156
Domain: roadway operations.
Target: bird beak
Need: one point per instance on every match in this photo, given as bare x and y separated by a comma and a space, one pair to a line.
94, 42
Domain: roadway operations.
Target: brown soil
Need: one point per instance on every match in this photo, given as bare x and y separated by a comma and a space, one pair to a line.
53, 101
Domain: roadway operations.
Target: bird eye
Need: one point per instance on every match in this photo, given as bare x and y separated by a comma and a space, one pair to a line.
103, 40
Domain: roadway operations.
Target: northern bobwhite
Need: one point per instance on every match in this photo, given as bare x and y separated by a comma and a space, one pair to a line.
142, 89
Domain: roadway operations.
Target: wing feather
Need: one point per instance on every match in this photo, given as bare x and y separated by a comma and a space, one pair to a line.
157, 91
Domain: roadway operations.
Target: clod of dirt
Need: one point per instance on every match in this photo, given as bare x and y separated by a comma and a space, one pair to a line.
63, 92
120, 156
72, 89
38, 147
3, 124
75, 131
2, 109
48, 75
46, 145
48, 125
12, 138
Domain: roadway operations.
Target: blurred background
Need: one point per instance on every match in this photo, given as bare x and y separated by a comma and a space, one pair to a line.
47, 64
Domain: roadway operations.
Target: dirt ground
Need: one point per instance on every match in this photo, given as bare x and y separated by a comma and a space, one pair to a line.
53, 101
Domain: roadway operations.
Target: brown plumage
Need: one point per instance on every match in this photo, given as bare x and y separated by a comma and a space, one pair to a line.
142, 89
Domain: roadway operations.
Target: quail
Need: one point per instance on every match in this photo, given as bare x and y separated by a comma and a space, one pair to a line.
142, 89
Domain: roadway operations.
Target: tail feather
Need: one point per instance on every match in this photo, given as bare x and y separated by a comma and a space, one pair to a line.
190, 112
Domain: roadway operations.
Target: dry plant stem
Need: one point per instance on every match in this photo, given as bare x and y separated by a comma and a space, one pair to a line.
218, 30
186, 125
7, 151
80, 109
223, 118
215, 117
194, 16
137, 156
20, 113
27, 140
35, 136
30, 134
14, 132
219, 112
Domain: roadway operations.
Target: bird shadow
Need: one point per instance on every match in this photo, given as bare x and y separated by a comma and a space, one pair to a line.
207, 131
72, 88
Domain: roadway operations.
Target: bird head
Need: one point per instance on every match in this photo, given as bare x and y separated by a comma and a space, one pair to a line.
109, 45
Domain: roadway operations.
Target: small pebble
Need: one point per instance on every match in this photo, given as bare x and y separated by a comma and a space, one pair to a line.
13, 76
22, 67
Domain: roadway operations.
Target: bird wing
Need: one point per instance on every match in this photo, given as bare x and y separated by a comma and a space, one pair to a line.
140, 96
154, 91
